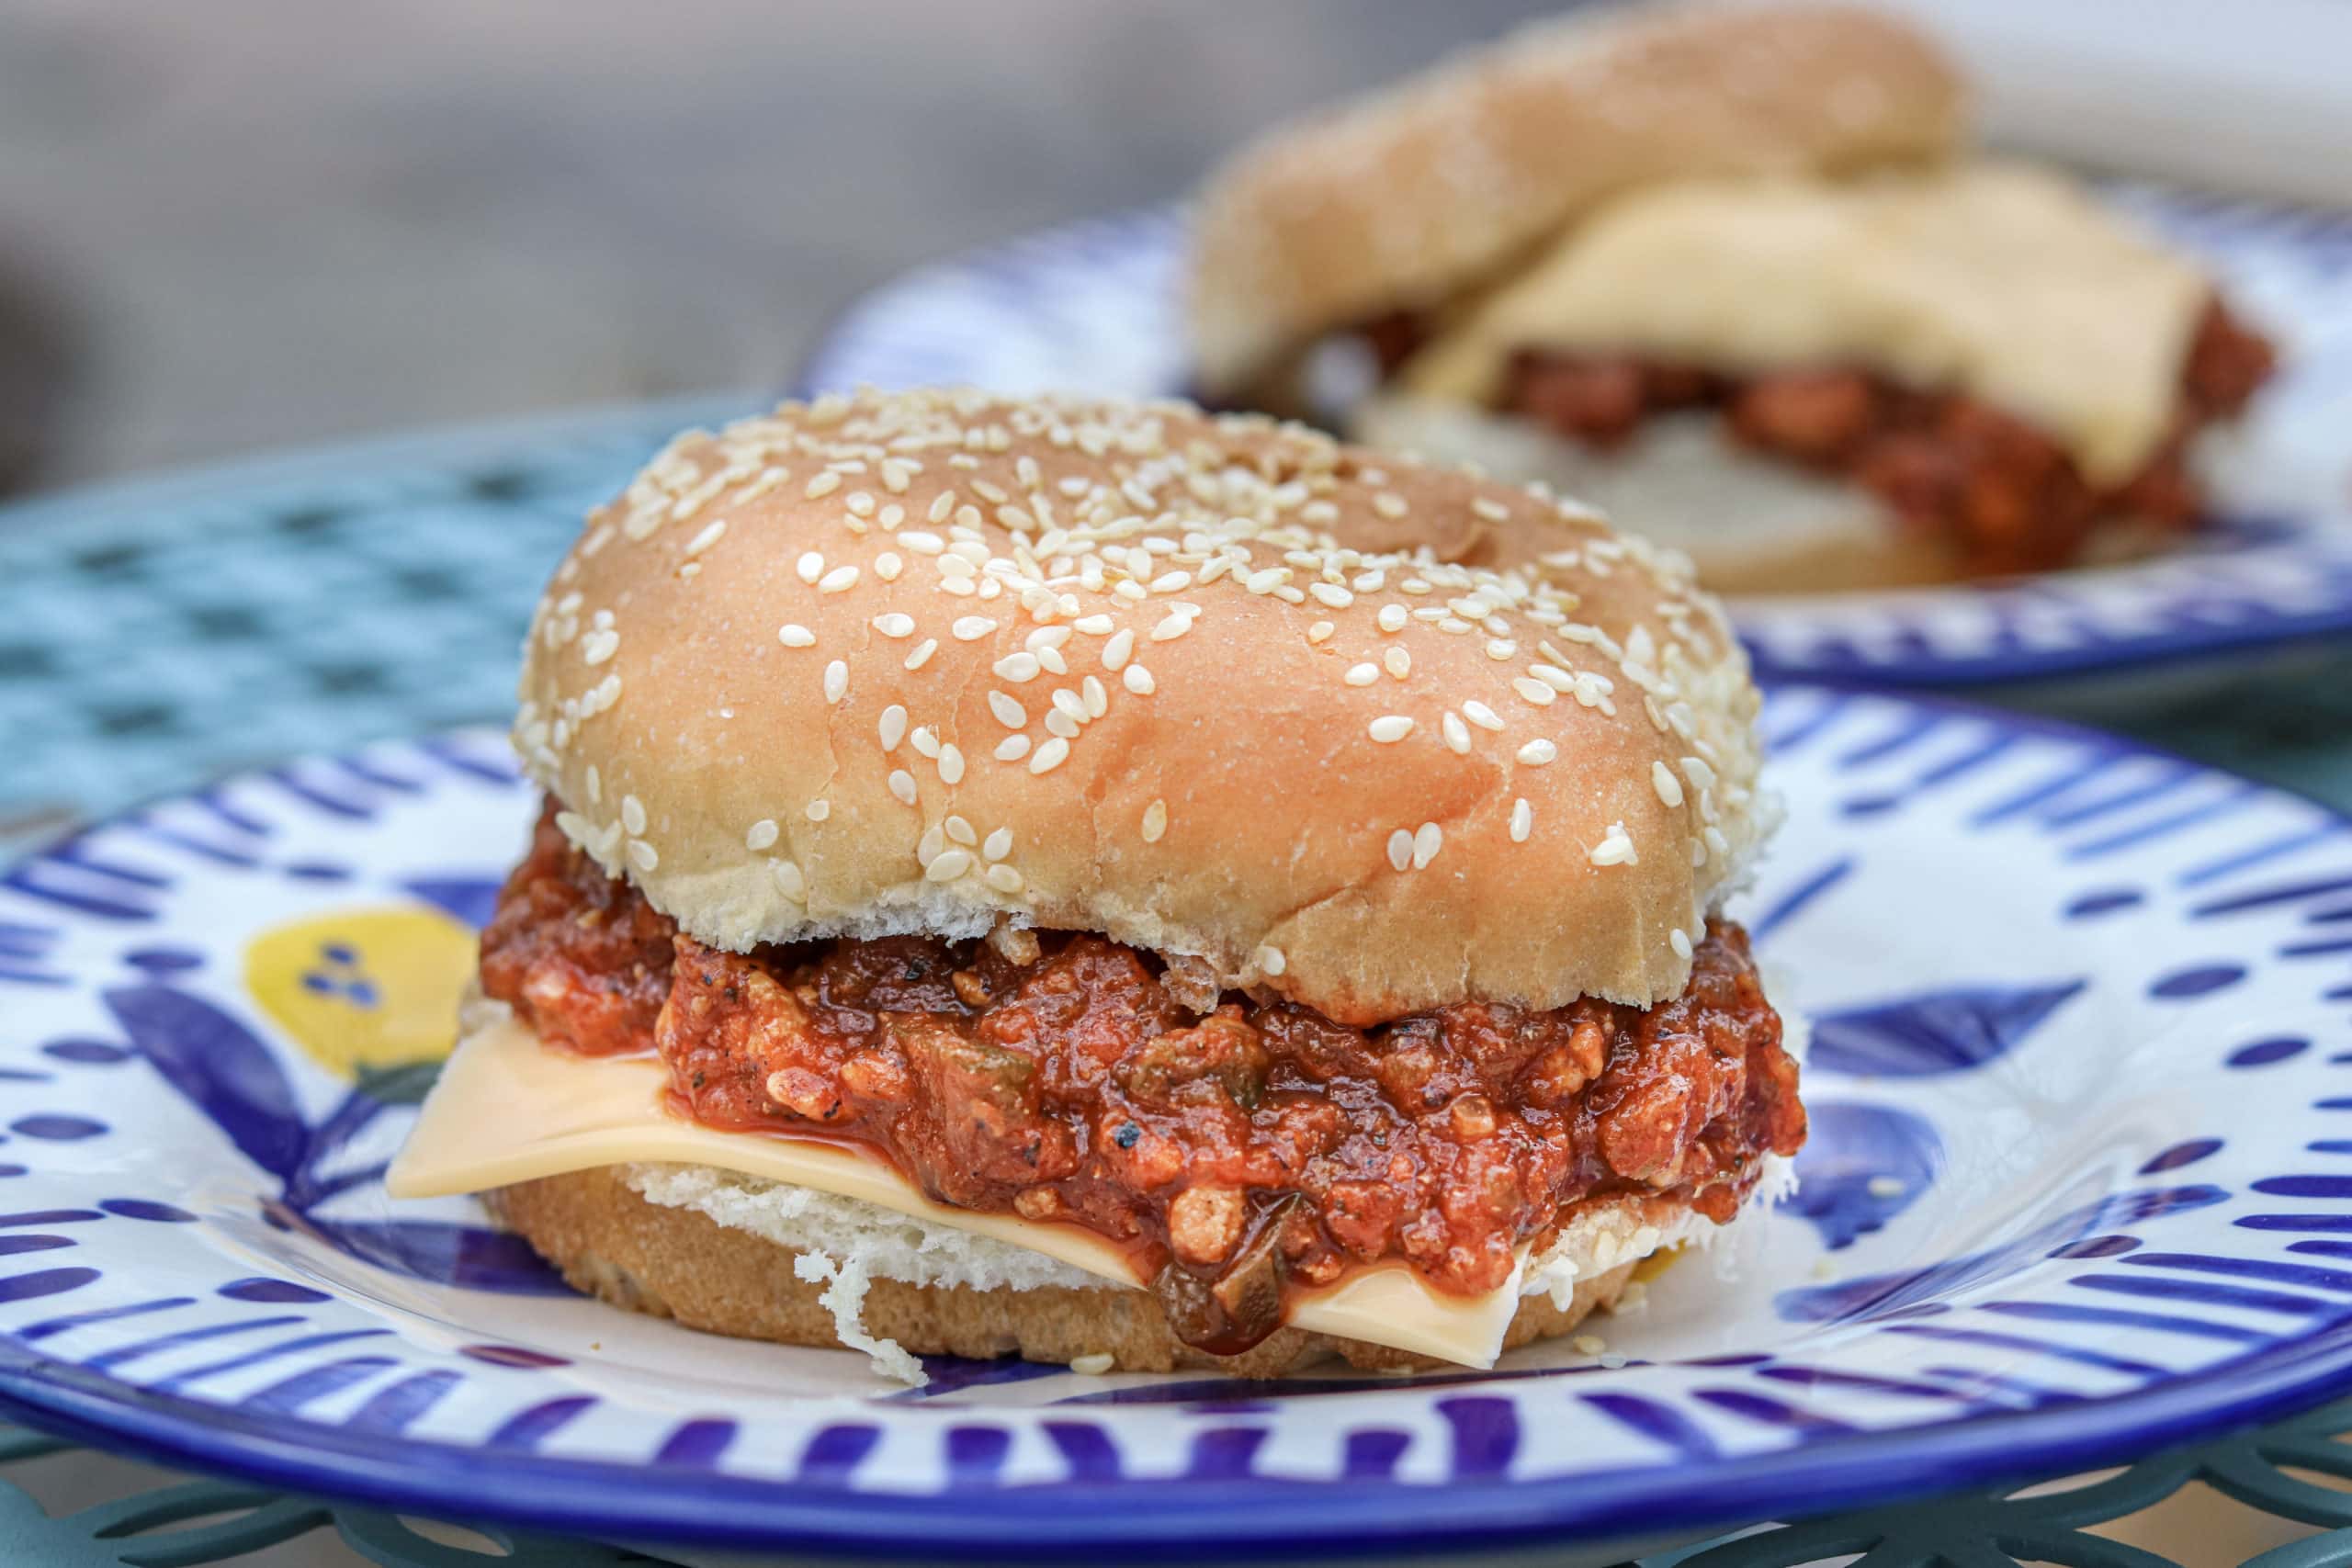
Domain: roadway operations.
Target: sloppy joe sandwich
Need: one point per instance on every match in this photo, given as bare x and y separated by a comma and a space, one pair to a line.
1733, 276
1118, 886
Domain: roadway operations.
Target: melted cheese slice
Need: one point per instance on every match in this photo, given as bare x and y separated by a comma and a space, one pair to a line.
507, 1109
1999, 280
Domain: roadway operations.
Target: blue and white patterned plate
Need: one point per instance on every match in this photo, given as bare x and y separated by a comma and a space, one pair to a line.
1094, 307
2080, 1185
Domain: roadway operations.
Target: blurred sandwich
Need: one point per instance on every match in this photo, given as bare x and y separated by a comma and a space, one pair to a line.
1732, 277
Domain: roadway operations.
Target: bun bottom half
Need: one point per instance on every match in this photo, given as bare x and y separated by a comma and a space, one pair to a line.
612, 1243
1753, 526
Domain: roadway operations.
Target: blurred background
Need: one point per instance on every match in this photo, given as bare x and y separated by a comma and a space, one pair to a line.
260, 224
264, 222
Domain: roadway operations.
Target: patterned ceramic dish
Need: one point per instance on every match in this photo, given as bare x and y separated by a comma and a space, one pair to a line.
2078, 1188
1094, 307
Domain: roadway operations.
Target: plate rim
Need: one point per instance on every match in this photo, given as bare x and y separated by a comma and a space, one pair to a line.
1148, 1518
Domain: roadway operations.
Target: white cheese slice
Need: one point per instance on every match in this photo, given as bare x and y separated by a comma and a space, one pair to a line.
507, 1109
2006, 281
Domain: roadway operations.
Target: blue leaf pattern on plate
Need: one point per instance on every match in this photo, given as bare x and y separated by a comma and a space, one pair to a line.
1941, 1032
1908, 1291
221, 1068
1862, 1165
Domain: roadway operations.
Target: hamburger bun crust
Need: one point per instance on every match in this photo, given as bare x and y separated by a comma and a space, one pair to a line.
928, 661
1431, 187
610, 1242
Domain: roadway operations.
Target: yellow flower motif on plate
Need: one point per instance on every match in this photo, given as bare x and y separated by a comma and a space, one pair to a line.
364, 988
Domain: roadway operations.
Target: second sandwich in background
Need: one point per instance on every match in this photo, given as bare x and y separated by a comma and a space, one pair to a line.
1731, 275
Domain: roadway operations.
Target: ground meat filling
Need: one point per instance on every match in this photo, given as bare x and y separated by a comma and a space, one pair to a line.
2006, 497
1233, 1154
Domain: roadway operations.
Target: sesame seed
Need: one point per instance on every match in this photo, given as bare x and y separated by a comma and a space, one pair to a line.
761, 834
1400, 663
998, 844
1018, 667
1502, 648
810, 567
950, 764
1332, 595
894, 624
1139, 680
1680, 942
1481, 715
922, 652
711, 533
1428, 839
598, 646
818, 810
860, 503
1390, 727
893, 726
1155, 821
1491, 509
632, 814
1010, 713
1174, 626
836, 680
1457, 734
971, 629
1049, 756
1320, 632
1400, 848
947, 865
1012, 748
1615, 849
1068, 702
956, 828
923, 543
1669, 789
941, 505
1535, 753
1116, 651
1523, 820
1266, 580
1696, 769
1270, 960
1004, 879
1393, 617
888, 565
902, 785
1097, 700
794, 635
1059, 722
1389, 504
823, 485
1536, 692
837, 580
1362, 674
643, 854
1043, 638
788, 880
1552, 675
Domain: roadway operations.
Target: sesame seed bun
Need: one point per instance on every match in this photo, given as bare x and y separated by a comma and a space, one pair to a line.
1407, 198
1375, 735
608, 1239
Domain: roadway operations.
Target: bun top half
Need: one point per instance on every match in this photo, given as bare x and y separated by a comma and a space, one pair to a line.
1437, 186
1372, 735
